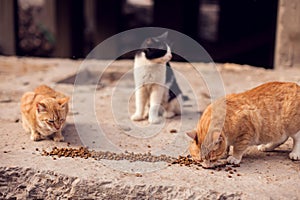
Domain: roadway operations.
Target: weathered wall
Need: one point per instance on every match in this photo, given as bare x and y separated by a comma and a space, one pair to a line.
287, 52
7, 33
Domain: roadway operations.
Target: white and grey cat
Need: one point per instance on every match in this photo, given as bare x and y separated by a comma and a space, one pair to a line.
156, 89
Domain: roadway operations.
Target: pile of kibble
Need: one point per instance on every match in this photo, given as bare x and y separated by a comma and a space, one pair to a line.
189, 162
81, 152
185, 161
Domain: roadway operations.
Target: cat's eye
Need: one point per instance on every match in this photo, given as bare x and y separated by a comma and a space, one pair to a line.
51, 121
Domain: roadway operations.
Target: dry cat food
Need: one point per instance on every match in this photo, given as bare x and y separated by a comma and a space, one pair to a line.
83, 152
173, 131
232, 171
186, 161
146, 157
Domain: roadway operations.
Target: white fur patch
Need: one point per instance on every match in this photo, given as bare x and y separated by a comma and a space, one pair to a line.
147, 72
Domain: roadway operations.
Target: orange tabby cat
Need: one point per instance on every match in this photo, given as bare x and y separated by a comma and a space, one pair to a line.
266, 116
44, 113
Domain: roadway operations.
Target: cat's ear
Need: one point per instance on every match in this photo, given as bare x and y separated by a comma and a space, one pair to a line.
163, 36
192, 134
217, 137
41, 107
63, 101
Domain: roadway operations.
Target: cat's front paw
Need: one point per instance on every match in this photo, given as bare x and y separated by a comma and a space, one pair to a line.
233, 160
294, 156
262, 148
35, 137
136, 117
206, 164
155, 120
265, 147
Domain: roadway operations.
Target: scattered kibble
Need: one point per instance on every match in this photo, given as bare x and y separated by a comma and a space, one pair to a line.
83, 152
173, 131
228, 169
236, 165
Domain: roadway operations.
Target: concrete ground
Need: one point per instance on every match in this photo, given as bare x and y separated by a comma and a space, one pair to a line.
99, 119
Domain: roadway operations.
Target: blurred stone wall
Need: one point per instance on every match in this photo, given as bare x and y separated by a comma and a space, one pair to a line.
287, 52
7, 36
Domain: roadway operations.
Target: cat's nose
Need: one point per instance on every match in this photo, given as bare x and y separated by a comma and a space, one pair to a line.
207, 164
170, 56
57, 126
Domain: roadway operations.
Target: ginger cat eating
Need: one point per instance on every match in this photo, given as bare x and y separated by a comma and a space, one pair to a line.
266, 116
44, 113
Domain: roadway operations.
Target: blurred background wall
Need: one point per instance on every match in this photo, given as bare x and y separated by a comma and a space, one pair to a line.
262, 33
